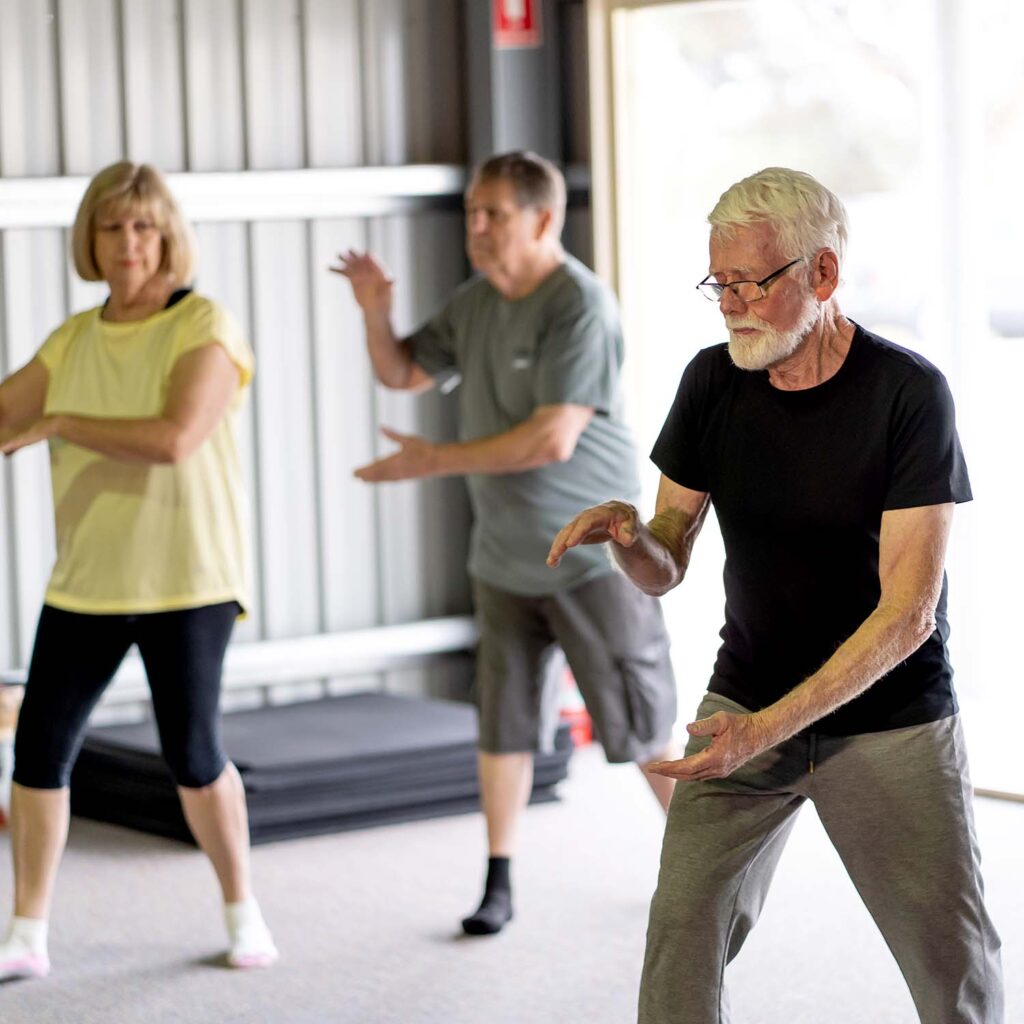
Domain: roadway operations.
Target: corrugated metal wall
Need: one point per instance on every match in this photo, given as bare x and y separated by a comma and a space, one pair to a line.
246, 86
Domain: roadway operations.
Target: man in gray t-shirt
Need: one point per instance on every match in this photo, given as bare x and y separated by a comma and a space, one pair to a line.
559, 345
535, 346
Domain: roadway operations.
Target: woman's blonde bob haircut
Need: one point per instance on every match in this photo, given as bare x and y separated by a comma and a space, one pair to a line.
126, 186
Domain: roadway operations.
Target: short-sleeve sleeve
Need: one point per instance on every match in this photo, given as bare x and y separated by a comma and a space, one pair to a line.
433, 347
52, 351
926, 462
579, 359
212, 323
677, 452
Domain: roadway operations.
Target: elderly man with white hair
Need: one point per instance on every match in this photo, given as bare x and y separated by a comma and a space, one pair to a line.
832, 460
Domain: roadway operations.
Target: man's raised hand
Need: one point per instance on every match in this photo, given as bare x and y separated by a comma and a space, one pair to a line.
372, 283
615, 521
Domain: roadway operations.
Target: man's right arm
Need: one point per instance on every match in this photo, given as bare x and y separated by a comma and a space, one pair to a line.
654, 555
390, 356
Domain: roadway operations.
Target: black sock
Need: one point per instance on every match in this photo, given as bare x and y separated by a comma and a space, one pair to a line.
495, 909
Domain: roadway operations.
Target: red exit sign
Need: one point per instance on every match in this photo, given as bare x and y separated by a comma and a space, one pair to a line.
516, 23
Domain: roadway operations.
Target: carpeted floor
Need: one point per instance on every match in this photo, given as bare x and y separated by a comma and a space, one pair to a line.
366, 923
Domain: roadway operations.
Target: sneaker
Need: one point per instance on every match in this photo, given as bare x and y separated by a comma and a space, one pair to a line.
23, 964
244, 955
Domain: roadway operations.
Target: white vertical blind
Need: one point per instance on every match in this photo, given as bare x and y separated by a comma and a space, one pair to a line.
154, 125
384, 83
92, 86
345, 430
333, 83
29, 129
34, 303
284, 427
273, 83
214, 115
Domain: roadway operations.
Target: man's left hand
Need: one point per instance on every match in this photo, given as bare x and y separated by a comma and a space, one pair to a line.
41, 430
416, 457
735, 739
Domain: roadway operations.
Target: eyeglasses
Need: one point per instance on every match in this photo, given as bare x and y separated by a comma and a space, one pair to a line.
745, 291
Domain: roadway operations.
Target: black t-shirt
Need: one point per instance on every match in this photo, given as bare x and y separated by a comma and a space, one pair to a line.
799, 481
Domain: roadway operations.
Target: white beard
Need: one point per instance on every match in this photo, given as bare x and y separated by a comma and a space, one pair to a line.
771, 346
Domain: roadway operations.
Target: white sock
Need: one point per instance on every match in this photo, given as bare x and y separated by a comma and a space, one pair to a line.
28, 933
23, 951
250, 942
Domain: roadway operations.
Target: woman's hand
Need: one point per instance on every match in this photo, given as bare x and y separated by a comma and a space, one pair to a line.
41, 430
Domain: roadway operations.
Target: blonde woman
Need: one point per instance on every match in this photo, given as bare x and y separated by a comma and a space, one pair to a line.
137, 400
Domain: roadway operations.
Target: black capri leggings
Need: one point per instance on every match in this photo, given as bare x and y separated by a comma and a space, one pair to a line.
75, 657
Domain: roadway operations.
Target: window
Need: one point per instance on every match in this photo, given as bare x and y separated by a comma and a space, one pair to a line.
913, 113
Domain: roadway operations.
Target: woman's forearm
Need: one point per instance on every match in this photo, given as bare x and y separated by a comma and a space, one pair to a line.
156, 440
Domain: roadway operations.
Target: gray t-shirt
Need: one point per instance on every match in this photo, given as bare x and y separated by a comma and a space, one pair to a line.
562, 343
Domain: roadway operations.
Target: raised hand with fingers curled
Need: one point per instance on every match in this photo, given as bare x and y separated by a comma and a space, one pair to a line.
613, 521
372, 283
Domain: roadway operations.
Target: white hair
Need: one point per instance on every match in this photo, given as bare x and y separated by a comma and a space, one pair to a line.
806, 216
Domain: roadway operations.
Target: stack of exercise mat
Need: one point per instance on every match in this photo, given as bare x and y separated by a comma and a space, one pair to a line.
322, 766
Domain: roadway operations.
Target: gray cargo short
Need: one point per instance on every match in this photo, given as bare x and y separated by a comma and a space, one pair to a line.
614, 638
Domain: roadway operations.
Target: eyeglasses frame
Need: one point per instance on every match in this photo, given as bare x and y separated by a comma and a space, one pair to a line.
708, 283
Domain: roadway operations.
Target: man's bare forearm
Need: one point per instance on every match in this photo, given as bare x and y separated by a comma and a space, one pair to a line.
912, 550
511, 452
887, 637
549, 435
390, 356
658, 559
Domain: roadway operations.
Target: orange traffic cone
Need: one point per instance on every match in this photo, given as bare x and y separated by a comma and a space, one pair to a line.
574, 712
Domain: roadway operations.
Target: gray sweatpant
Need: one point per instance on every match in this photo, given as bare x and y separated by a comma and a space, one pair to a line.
897, 807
